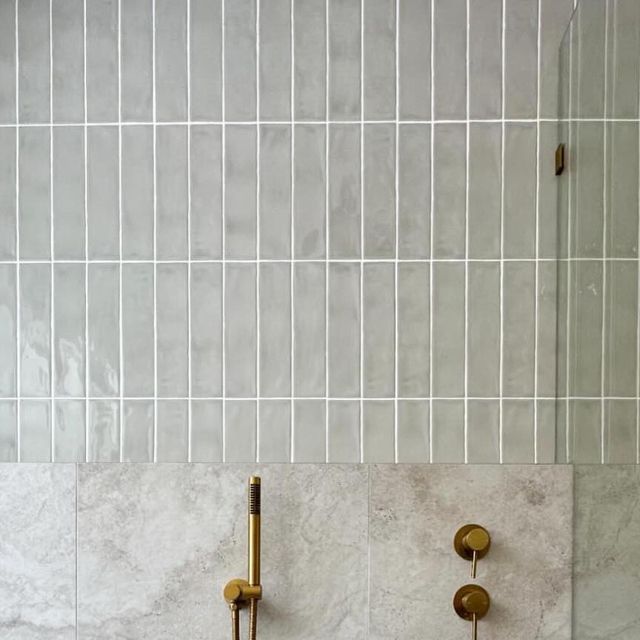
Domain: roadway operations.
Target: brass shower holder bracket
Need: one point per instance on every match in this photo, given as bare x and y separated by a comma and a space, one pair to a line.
240, 592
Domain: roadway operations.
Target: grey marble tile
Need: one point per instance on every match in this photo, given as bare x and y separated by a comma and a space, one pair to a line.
344, 191
275, 191
8, 431
344, 60
172, 431
68, 193
8, 330
69, 431
194, 518
309, 41
103, 333
136, 47
69, 329
413, 431
447, 431
606, 552
240, 60
137, 193
274, 442
102, 193
309, 207
409, 500
35, 431
67, 31
206, 59
137, 431
240, 429
102, 60
275, 60
309, 431
414, 60
37, 525
344, 431
8, 220
206, 431
7, 63
172, 193
171, 59
275, 329
33, 56
378, 431
103, 431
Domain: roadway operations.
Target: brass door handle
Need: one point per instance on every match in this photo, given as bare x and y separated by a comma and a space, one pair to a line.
472, 542
471, 602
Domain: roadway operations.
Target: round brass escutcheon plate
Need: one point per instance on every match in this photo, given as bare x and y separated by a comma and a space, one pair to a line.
470, 600
462, 549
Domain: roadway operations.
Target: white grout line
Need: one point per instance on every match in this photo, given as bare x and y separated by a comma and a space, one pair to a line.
502, 193
258, 273
85, 137
638, 310
189, 347
52, 345
397, 231
361, 301
155, 235
120, 243
292, 315
326, 239
223, 230
466, 238
536, 277
431, 218
18, 320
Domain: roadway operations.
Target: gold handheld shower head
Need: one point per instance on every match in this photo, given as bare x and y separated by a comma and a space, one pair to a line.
254, 531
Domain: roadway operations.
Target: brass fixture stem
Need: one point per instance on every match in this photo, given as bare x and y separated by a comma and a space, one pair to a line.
253, 619
235, 621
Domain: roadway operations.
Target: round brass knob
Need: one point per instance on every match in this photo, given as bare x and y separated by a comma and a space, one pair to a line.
471, 600
470, 539
477, 540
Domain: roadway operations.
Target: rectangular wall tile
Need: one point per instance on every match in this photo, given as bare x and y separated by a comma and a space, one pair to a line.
8, 431
485, 59
67, 32
35, 330
68, 193
449, 51
69, 431
172, 189
172, 444
520, 191
102, 193
206, 431
309, 42
34, 186
518, 440
344, 330
413, 431
413, 329
103, 335
549, 194
447, 444
104, 431
378, 431
518, 329
344, 191
137, 193
309, 330
275, 329
379, 59
275, 431
483, 431
414, 197
8, 330
33, 56
137, 330
7, 63
102, 60
585, 432
240, 201
309, 431
546, 341
240, 60
621, 435
521, 59
344, 60
206, 330
344, 431
449, 186
483, 327
136, 50
275, 61
379, 191
378, 313
137, 431
485, 159
546, 432
275, 191
172, 347
171, 59
240, 431
8, 220
414, 60
206, 59
448, 330
240, 338
69, 329
309, 188
35, 431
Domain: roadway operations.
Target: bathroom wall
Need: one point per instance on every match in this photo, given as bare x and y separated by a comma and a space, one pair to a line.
280, 231
377, 563
598, 320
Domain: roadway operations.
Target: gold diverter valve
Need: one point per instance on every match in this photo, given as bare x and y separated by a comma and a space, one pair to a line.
240, 593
